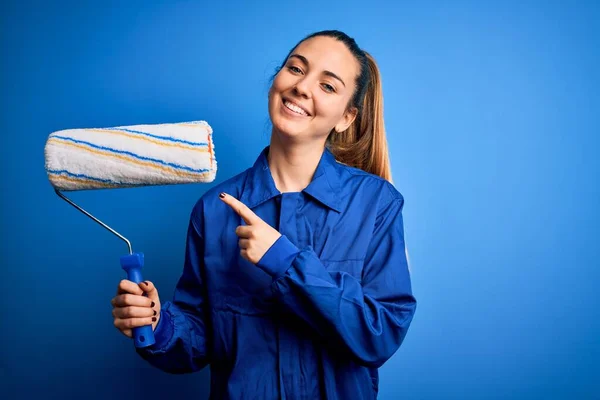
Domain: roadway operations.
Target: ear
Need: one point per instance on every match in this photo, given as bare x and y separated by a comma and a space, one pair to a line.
347, 120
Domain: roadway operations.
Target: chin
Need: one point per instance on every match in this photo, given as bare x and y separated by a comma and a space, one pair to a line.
292, 126
286, 125
287, 128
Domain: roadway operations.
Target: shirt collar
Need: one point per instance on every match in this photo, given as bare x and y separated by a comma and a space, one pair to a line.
324, 186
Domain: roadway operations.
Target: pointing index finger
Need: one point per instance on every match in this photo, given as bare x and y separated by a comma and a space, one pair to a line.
240, 208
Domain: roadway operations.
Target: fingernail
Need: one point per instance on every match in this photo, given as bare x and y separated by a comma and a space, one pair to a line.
222, 195
153, 319
146, 283
152, 305
154, 312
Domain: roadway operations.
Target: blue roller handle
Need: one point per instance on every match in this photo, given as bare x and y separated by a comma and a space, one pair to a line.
143, 336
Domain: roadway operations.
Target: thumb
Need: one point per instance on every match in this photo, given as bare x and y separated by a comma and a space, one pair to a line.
150, 291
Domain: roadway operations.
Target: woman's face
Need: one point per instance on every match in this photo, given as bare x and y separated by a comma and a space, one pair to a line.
310, 95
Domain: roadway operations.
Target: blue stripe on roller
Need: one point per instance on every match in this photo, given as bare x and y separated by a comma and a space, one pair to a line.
111, 150
166, 138
81, 176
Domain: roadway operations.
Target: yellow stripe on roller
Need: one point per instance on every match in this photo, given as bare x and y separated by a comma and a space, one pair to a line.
127, 159
151, 140
58, 179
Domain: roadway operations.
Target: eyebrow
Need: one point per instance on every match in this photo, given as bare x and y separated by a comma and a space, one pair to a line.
328, 73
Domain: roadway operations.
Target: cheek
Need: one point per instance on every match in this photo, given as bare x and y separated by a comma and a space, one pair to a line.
329, 107
271, 97
281, 82
276, 88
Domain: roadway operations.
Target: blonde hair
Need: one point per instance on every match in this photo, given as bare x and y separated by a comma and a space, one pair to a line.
364, 144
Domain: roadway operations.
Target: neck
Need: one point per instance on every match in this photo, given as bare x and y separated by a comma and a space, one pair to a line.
293, 164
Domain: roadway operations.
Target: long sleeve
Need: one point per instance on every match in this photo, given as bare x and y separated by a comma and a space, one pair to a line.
369, 317
180, 334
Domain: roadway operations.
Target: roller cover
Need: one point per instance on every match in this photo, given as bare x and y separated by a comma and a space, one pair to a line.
130, 156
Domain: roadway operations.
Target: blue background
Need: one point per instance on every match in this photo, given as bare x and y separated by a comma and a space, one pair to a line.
493, 117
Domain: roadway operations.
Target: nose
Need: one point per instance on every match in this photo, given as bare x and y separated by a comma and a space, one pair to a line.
302, 88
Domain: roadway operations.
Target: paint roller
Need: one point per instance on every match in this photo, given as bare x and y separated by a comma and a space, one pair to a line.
126, 157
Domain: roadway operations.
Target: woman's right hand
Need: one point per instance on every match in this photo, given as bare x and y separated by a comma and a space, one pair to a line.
135, 305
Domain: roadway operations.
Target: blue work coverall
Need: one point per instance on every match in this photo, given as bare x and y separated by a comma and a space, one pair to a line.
322, 310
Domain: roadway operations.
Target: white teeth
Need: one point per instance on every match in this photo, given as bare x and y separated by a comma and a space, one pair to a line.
294, 108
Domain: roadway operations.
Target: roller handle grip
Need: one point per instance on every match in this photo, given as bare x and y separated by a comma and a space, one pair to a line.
143, 336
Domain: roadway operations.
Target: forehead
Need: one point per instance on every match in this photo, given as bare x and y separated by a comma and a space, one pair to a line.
325, 53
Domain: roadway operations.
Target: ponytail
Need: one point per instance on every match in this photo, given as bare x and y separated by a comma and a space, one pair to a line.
364, 145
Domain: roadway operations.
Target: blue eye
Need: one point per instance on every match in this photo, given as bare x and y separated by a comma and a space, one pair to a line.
328, 87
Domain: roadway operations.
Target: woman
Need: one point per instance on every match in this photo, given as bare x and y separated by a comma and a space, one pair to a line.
295, 283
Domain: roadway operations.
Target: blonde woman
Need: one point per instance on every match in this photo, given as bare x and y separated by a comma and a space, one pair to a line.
295, 283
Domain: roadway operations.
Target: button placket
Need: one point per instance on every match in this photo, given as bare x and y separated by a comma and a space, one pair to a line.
287, 227
287, 216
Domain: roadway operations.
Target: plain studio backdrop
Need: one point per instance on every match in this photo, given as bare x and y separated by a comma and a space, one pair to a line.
492, 113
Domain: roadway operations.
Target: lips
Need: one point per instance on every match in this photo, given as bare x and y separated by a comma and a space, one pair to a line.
295, 107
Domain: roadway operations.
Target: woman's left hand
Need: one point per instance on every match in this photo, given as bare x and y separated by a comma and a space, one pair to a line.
256, 237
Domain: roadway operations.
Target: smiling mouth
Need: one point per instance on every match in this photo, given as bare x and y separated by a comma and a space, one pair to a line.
295, 108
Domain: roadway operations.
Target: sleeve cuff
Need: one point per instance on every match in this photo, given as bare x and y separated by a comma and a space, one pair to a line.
279, 257
162, 334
